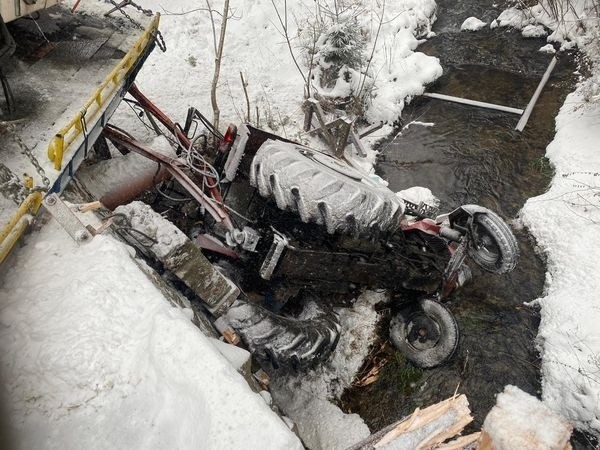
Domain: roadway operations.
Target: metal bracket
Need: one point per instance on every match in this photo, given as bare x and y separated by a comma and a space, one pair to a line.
268, 266
67, 219
247, 238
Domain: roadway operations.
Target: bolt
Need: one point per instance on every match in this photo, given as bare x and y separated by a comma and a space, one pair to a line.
81, 236
51, 200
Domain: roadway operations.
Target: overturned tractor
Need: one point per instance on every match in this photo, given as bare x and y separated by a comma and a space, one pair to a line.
291, 225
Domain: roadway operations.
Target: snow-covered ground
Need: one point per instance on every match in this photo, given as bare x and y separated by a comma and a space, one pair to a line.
94, 356
566, 224
92, 353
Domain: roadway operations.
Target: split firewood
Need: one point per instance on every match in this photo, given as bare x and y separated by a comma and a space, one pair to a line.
462, 443
424, 429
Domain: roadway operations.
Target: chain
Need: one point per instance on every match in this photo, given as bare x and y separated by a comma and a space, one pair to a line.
34, 162
147, 12
160, 40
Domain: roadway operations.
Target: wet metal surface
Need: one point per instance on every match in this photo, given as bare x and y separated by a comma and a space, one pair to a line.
473, 155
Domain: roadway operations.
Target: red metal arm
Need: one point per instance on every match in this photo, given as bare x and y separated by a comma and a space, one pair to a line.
173, 165
150, 107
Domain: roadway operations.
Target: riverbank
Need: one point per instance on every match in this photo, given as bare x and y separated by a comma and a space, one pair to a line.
565, 222
72, 372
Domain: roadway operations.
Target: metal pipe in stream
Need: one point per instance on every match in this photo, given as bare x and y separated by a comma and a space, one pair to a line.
525, 117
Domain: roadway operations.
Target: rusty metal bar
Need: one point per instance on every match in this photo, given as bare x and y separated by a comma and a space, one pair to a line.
125, 193
174, 167
151, 108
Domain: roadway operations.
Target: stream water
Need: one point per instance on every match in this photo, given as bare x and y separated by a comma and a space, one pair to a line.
473, 155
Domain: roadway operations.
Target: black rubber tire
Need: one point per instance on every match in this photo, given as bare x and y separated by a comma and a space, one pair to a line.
323, 190
427, 353
297, 344
494, 247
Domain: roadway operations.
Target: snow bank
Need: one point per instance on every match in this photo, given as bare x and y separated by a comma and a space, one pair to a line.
254, 45
93, 356
472, 24
566, 224
576, 27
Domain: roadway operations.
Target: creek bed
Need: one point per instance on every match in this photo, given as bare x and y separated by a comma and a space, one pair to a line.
473, 155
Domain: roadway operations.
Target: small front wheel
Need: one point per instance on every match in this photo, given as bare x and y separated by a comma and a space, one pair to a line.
492, 245
426, 333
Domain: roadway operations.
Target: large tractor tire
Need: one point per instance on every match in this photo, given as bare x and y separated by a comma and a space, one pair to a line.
284, 341
323, 190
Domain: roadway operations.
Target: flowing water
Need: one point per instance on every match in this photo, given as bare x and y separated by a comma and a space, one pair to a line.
473, 155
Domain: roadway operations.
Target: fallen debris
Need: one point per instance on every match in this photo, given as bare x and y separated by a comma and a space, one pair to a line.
424, 428
179, 254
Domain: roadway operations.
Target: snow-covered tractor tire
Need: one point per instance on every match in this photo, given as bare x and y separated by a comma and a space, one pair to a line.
494, 247
426, 333
284, 341
323, 190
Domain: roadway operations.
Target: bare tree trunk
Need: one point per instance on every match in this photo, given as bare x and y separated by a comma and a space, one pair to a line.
245, 86
218, 57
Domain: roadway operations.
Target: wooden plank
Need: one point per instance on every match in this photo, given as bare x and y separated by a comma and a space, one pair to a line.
336, 123
308, 116
345, 129
360, 148
372, 129
321, 118
476, 103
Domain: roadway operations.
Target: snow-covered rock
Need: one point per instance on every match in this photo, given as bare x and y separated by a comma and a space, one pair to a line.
548, 48
472, 24
534, 31
520, 420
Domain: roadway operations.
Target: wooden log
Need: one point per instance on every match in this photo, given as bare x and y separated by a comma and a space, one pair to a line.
463, 442
424, 428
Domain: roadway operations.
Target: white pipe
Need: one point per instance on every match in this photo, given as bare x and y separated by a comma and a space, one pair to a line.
465, 101
536, 94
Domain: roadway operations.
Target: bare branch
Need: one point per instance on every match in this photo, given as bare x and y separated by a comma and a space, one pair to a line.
283, 23
245, 86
